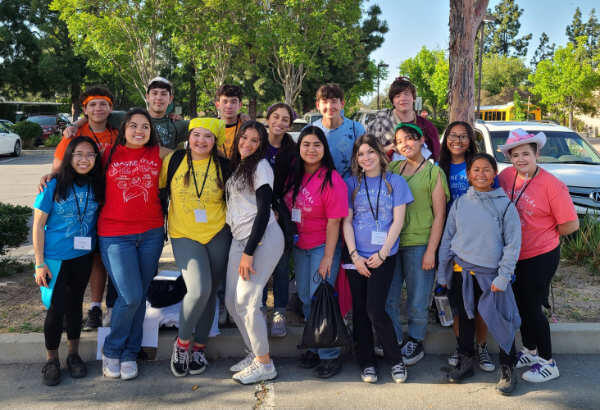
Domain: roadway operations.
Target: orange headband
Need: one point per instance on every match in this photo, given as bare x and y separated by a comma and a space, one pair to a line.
95, 97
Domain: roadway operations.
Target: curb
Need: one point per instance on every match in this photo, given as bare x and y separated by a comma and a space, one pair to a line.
567, 338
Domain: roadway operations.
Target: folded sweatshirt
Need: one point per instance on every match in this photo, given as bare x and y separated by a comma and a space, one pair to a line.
484, 229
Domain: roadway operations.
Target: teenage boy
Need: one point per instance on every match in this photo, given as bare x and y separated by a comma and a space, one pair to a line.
341, 132
159, 95
402, 95
228, 102
97, 103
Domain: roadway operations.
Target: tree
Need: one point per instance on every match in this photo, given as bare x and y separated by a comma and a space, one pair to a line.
577, 28
544, 51
567, 80
499, 72
502, 39
520, 111
589, 30
439, 84
465, 18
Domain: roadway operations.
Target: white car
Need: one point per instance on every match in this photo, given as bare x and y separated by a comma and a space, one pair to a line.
566, 155
10, 143
296, 127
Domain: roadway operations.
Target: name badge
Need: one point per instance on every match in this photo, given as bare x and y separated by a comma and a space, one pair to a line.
200, 215
378, 238
82, 243
296, 215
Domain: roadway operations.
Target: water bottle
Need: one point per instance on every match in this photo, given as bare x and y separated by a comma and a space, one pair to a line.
443, 306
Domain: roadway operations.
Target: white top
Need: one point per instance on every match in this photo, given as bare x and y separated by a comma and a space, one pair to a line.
241, 202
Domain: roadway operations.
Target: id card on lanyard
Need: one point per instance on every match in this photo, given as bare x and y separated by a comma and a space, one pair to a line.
377, 237
200, 213
81, 242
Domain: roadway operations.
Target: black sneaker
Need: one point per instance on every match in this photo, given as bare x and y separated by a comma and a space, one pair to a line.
51, 372
309, 359
412, 351
94, 319
328, 368
76, 366
463, 371
180, 361
507, 381
198, 362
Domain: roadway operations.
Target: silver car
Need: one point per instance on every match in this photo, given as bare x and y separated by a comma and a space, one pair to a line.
566, 155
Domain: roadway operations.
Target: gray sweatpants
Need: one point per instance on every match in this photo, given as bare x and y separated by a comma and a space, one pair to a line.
203, 269
243, 298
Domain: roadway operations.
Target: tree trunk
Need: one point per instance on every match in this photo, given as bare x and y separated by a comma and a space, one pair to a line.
465, 17
252, 107
75, 93
193, 92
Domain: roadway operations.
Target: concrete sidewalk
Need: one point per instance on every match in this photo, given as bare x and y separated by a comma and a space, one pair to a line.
567, 338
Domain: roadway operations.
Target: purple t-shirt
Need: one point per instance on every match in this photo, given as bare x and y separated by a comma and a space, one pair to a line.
363, 220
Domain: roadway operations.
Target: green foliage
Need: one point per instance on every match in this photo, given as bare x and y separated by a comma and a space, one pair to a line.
519, 109
589, 30
583, 247
502, 39
52, 140
10, 266
30, 132
500, 72
544, 51
440, 124
13, 226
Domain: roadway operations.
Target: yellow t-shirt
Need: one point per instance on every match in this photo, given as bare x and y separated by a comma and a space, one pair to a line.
186, 211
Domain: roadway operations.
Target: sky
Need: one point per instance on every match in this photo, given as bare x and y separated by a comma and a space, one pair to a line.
414, 24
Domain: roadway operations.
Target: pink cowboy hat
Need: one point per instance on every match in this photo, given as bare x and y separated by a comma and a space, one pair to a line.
519, 136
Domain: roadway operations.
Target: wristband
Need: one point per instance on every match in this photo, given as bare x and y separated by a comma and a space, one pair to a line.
379, 255
353, 252
40, 266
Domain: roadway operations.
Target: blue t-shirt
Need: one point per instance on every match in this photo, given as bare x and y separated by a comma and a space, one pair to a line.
459, 184
363, 220
341, 141
63, 225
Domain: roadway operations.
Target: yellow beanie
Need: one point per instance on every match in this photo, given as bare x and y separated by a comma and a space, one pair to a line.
214, 125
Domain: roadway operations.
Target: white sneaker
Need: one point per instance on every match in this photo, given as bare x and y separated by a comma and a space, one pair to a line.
399, 372
129, 370
107, 316
526, 358
255, 373
111, 367
242, 364
542, 371
485, 361
453, 358
369, 375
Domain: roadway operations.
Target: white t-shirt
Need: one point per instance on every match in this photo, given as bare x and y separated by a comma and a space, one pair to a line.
241, 203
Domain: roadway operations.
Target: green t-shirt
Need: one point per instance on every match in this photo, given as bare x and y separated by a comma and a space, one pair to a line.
170, 133
419, 213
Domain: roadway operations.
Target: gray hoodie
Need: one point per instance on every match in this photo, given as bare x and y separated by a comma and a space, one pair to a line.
477, 232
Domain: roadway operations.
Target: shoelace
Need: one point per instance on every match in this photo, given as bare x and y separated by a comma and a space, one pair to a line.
370, 371
505, 372
250, 369
484, 355
398, 368
199, 357
410, 348
181, 355
536, 368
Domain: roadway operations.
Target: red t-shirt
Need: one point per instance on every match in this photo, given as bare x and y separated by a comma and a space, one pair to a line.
132, 205
544, 204
104, 140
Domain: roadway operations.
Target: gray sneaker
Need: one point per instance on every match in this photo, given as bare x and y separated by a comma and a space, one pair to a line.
278, 328
485, 361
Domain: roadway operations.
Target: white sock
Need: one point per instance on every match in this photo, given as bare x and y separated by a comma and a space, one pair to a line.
267, 366
96, 304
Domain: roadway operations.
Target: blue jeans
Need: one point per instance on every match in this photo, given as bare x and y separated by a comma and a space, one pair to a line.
281, 284
306, 265
131, 262
419, 285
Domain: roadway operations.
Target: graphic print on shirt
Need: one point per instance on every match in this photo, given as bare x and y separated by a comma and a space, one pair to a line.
212, 194
526, 203
134, 178
362, 211
67, 209
166, 132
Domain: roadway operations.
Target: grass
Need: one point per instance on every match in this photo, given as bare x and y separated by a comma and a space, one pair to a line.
10, 266
583, 247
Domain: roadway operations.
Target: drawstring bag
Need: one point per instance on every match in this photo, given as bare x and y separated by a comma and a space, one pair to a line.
325, 326
166, 292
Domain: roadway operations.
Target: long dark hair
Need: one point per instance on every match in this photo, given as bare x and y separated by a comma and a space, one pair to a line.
295, 180
244, 168
446, 156
153, 141
67, 175
287, 140
214, 153
357, 171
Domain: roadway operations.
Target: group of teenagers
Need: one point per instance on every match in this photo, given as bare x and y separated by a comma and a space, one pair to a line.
390, 204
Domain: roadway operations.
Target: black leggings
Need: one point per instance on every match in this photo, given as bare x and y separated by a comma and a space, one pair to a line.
531, 292
67, 300
466, 333
369, 296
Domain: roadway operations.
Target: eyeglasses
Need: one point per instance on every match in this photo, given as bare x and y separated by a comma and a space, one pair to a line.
458, 137
79, 155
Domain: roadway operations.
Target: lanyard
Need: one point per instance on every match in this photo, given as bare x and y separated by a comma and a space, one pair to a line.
237, 124
199, 194
94, 135
512, 194
81, 216
306, 184
414, 173
375, 214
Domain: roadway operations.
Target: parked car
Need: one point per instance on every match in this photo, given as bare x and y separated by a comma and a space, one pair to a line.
10, 143
566, 155
364, 116
51, 124
296, 127
312, 117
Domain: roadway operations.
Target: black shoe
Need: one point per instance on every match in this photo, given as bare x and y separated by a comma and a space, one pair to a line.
309, 359
51, 372
328, 368
180, 361
463, 371
94, 319
412, 351
198, 362
76, 366
507, 382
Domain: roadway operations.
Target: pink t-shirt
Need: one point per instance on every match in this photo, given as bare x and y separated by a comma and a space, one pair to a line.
545, 204
317, 206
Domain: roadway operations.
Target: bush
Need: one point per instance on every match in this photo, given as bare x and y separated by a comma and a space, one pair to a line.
13, 226
30, 133
53, 140
583, 247
440, 124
